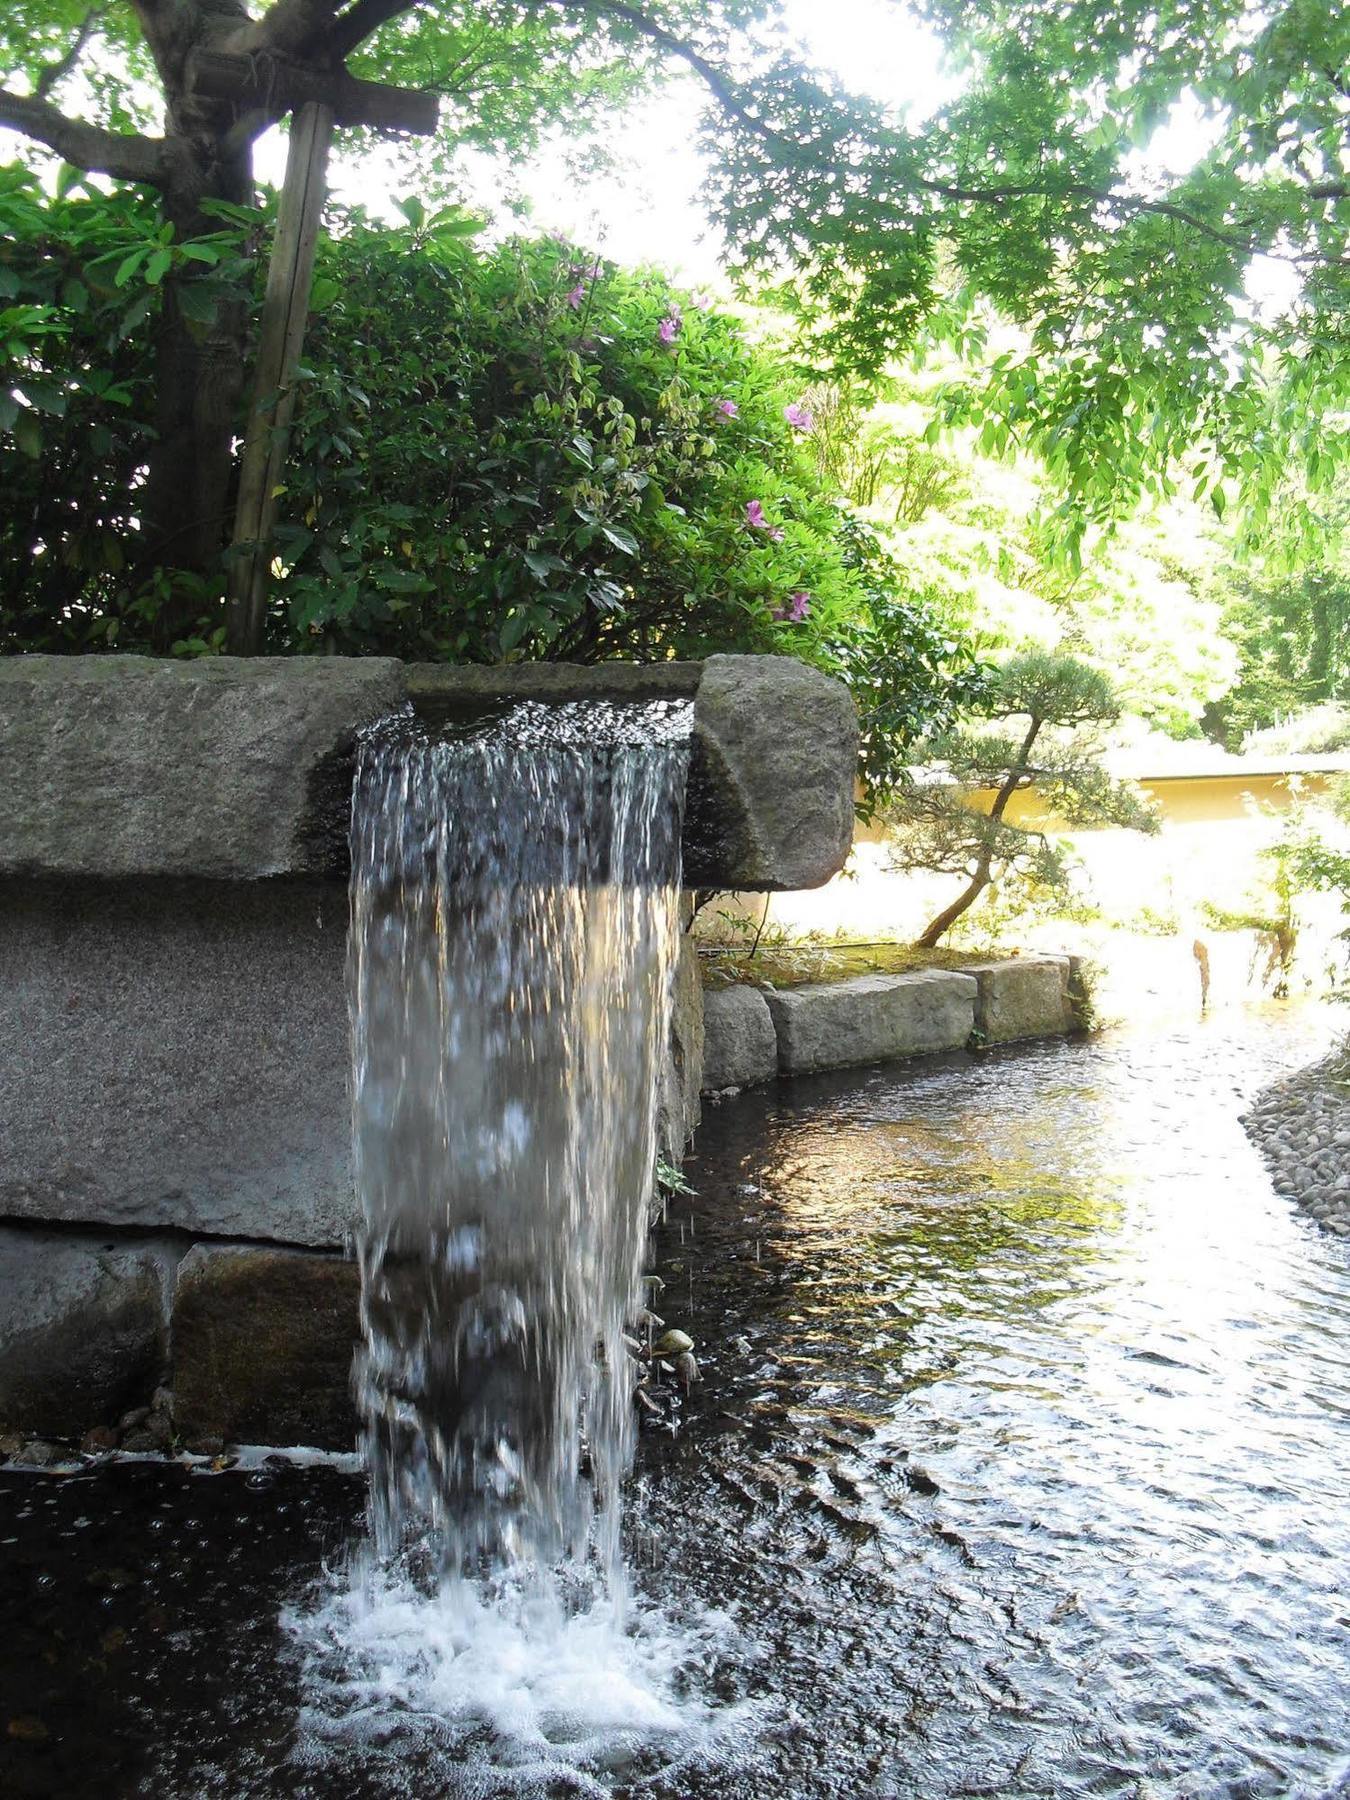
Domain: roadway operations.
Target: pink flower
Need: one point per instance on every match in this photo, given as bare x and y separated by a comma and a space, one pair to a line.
577, 296
669, 328
799, 417
754, 518
588, 271
728, 409
797, 609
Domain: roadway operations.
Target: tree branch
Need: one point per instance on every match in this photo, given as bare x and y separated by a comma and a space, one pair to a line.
359, 21
729, 97
126, 156
56, 72
294, 27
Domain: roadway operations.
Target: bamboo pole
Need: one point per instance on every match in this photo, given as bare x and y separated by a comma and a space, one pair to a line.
290, 275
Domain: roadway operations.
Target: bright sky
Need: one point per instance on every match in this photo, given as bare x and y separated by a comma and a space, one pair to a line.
648, 211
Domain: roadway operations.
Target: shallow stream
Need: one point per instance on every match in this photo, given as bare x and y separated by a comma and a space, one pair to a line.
1019, 1466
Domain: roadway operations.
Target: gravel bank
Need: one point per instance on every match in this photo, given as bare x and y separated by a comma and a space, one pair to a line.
1302, 1128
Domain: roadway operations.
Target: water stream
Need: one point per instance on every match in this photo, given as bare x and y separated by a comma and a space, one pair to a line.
515, 886
1020, 1466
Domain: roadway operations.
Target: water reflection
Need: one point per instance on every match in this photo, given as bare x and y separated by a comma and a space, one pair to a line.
1024, 1433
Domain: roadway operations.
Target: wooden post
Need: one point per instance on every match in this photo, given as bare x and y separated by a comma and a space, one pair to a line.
286, 303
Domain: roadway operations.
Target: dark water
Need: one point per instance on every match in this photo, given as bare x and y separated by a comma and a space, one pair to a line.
1020, 1466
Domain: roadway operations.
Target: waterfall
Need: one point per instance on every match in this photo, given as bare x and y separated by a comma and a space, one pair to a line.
514, 929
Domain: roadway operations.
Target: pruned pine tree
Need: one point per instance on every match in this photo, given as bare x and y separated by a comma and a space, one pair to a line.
1040, 726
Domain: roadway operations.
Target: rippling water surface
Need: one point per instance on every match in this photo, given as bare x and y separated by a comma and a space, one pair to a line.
1027, 1435
1020, 1466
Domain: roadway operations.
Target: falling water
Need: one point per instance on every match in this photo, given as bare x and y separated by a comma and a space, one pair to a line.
515, 892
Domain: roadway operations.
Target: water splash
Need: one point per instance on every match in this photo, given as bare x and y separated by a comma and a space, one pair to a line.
514, 929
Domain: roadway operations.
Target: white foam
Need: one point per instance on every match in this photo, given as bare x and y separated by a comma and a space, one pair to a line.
512, 1690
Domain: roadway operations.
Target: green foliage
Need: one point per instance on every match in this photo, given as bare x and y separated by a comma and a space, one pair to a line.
81, 285
969, 533
1292, 632
495, 455
499, 455
1314, 858
1037, 728
1029, 197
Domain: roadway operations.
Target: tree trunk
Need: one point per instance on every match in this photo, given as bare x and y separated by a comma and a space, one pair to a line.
200, 372
984, 866
943, 923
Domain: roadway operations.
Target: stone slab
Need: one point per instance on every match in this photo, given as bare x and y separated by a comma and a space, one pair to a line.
236, 768
176, 1054
872, 1018
227, 767
262, 1343
682, 1070
771, 781
741, 1044
1023, 997
83, 1329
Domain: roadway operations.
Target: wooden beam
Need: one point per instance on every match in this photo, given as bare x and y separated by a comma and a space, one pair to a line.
274, 85
290, 275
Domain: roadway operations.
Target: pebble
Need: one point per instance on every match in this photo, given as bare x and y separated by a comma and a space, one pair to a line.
674, 1343
1301, 1126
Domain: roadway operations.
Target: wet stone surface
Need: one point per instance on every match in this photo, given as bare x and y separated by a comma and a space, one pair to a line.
1018, 1465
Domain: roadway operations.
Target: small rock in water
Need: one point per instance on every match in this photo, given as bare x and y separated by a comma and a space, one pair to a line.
686, 1368
98, 1441
10, 1443
673, 1343
38, 1454
25, 1729
133, 1420
144, 1443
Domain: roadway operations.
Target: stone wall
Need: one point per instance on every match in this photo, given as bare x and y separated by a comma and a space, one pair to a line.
753, 1034
176, 1196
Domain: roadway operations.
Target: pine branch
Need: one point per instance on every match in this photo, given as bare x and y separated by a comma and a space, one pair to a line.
125, 156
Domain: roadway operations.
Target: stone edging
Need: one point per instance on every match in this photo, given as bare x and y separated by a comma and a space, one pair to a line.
1301, 1126
753, 1034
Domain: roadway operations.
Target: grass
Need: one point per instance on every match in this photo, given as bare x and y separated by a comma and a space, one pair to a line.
792, 964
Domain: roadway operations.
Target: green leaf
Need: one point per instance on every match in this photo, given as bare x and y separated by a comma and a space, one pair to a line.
621, 540
46, 397
199, 302
27, 435
129, 265
158, 266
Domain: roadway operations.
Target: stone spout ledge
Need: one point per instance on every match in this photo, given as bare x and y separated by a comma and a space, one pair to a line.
237, 769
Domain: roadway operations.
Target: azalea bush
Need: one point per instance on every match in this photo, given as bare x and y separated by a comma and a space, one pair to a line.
504, 453
530, 452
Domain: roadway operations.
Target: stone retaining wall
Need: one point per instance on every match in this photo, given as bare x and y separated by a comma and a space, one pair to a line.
175, 1186
753, 1034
